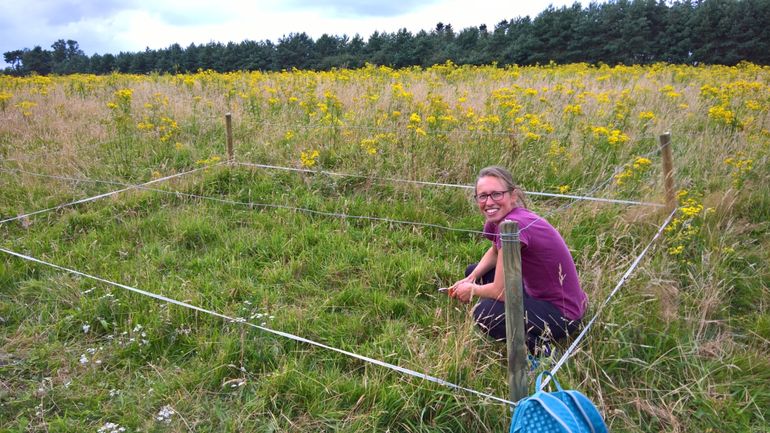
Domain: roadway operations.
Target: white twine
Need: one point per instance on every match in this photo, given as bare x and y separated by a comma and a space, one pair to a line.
450, 185
620, 283
265, 329
96, 197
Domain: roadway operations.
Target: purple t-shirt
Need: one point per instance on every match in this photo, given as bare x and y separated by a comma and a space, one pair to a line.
547, 268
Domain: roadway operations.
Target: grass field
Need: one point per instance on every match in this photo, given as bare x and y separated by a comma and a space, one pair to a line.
684, 346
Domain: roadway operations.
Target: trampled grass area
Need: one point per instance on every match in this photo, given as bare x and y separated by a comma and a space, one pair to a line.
683, 347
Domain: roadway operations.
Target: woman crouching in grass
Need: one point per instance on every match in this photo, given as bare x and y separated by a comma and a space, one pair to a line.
554, 303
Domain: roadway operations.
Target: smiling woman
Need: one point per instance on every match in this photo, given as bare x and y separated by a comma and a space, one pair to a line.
554, 303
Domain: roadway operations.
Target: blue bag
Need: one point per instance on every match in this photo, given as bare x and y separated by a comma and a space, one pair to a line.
556, 412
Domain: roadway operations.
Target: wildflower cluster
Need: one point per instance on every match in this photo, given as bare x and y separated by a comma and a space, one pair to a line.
633, 172
573, 109
736, 103
209, 161
26, 108
670, 92
646, 116
308, 158
120, 107
371, 144
683, 230
121, 101
155, 122
331, 109
532, 126
508, 105
439, 116
41, 84
613, 137
415, 124
4, 98
722, 114
741, 168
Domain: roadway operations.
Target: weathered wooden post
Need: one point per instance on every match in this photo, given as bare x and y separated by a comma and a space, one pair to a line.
514, 311
229, 128
668, 170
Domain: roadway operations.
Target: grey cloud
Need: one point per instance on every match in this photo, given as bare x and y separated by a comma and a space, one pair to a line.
59, 13
362, 8
195, 16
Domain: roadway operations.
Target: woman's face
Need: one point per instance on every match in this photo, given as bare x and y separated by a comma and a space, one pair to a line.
494, 209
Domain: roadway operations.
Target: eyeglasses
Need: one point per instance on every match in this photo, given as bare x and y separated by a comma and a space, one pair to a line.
495, 195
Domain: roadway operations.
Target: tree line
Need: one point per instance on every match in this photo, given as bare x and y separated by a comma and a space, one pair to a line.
617, 32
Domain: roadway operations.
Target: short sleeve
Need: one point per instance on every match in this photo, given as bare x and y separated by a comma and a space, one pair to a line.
491, 233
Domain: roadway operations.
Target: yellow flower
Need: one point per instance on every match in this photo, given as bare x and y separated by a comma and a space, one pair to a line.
308, 159
600, 130
722, 114
124, 94
691, 211
26, 107
208, 161
145, 126
753, 105
575, 109
617, 137
531, 136
4, 98
646, 115
677, 250
641, 163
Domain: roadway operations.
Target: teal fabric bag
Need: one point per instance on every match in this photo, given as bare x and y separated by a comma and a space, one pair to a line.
556, 412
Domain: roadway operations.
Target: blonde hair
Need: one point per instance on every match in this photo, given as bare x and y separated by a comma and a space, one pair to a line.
506, 178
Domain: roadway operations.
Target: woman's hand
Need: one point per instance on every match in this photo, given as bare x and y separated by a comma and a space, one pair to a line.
451, 289
463, 290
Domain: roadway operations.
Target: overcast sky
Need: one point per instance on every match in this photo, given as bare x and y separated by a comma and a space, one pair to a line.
112, 26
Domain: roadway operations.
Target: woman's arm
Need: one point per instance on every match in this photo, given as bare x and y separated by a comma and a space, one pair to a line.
486, 263
465, 290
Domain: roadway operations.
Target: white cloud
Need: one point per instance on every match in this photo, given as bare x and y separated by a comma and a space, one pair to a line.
108, 27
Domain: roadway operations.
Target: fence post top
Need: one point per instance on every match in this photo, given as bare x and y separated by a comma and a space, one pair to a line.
509, 230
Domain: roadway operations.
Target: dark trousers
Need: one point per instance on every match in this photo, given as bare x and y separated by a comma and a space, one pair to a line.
542, 320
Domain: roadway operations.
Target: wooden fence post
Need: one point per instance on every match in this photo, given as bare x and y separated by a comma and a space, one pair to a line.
514, 311
229, 128
668, 170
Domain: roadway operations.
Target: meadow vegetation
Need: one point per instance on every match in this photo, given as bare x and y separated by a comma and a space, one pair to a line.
684, 346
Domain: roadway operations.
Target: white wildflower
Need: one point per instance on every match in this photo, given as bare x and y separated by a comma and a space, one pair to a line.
111, 427
165, 413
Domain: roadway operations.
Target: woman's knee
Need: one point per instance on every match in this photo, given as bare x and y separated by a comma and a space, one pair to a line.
489, 318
